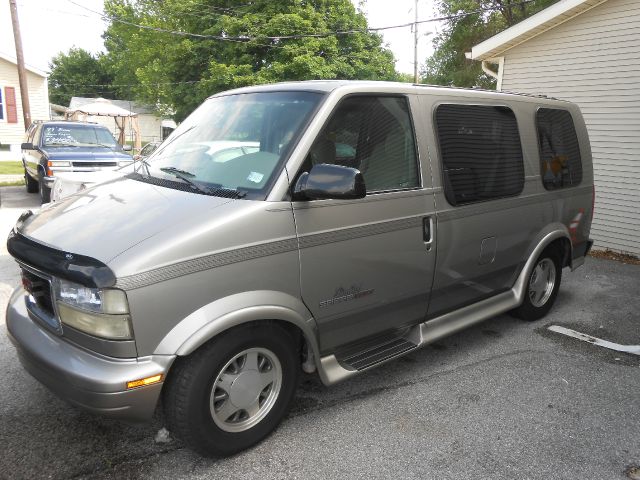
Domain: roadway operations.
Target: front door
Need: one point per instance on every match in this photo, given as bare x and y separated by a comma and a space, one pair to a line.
367, 265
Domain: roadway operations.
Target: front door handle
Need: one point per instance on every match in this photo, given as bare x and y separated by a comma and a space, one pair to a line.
427, 232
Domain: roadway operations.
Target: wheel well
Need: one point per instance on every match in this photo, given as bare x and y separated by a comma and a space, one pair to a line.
295, 333
562, 246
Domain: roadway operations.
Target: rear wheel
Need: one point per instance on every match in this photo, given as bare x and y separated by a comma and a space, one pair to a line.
234, 391
30, 184
542, 287
45, 192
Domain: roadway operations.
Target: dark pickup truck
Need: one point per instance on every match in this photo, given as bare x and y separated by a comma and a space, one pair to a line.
62, 146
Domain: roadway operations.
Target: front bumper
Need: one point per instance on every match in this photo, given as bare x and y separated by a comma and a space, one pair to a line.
48, 181
93, 382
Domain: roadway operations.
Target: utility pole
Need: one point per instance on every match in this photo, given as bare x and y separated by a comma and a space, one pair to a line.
415, 43
22, 74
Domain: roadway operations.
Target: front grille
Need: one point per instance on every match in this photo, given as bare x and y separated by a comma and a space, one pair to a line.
39, 298
95, 164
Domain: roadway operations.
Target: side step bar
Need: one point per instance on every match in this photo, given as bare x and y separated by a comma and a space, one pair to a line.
337, 368
377, 350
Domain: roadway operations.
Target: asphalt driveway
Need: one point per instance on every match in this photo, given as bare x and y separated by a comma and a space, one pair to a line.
502, 400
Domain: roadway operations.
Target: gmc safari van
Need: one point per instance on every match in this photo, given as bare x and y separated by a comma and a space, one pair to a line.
362, 221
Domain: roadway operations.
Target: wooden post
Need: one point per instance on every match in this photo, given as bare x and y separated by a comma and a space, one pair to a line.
22, 74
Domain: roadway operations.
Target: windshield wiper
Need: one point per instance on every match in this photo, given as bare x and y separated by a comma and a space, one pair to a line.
218, 192
186, 177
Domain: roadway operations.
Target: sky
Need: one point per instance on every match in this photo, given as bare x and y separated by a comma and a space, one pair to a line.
51, 26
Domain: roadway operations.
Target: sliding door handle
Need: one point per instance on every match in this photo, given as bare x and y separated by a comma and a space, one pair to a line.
427, 232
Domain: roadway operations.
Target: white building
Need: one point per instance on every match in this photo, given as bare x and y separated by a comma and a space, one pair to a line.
11, 117
588, 52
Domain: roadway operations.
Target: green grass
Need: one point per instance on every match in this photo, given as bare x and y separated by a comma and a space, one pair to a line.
17, 183
11, 168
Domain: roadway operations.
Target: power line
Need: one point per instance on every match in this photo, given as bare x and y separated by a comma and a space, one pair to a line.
243, 39
248, 38
114, 85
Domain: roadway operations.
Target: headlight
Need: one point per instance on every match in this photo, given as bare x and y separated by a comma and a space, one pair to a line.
102, 312
59, 163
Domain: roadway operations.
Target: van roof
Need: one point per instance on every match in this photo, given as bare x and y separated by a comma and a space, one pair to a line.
331, 85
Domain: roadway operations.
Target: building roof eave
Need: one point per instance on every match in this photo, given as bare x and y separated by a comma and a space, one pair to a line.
542, 21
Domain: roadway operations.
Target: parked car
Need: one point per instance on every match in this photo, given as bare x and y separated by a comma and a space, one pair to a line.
369, 219
53, 147
67, 184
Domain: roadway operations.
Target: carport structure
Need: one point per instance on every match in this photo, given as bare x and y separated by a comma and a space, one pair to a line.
103, 107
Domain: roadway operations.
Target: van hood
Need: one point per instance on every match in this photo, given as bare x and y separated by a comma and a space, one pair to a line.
104, 221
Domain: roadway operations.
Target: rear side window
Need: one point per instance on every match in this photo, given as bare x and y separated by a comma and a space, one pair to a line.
375, 135
481, 152
560, 162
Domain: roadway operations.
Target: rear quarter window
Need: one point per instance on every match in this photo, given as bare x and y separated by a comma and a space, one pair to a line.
481, 152
560, 161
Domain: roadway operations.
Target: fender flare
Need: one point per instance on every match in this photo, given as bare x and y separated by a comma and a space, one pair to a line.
548, 235
222, 314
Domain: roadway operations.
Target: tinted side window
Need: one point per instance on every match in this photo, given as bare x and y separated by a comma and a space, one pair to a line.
560, 162
374, 135
481, 152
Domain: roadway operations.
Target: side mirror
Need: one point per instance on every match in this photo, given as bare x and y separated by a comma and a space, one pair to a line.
126, 148
330, 182
27, 146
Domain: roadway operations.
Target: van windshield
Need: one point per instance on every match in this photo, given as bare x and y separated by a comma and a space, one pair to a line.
232, 143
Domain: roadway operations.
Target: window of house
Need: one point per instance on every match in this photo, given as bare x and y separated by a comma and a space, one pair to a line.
481, 152
560, 162
374, 135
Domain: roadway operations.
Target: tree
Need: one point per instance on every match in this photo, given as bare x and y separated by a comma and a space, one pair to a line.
177, 72
78, 73
448, 64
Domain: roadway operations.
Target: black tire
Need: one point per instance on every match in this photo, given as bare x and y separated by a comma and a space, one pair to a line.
189, 393
45, 192
30, 184
534, 308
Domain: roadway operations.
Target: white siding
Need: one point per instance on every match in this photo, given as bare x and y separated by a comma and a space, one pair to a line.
12, 133
594, 61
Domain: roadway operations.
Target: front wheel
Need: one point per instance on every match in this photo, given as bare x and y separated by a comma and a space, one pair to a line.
45, 192
30, 184
234, 391
542, 287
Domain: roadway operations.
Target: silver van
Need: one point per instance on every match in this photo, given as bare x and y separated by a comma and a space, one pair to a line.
353, 223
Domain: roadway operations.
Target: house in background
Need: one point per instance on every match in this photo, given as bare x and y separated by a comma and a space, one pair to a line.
11, 118
587, 52
151, 125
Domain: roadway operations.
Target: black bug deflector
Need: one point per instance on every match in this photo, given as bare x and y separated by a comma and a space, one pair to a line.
69, 266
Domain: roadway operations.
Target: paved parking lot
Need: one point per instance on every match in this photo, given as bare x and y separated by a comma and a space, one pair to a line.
502, 400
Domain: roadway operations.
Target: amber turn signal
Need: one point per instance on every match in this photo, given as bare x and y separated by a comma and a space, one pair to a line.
143, 382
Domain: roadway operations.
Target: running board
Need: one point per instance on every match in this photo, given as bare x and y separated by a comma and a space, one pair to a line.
340, 366
376, 350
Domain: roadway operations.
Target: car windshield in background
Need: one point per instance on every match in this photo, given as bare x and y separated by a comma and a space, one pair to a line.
77, 136
234, 142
